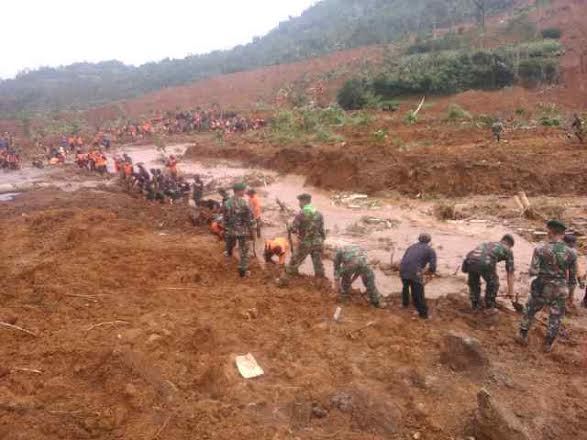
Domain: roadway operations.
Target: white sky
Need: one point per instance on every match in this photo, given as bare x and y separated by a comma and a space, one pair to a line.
58, 32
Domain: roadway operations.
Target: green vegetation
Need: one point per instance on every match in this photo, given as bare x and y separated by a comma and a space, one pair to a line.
456, 113
553, 33
303, 125
328, 26
550, 115
447, 72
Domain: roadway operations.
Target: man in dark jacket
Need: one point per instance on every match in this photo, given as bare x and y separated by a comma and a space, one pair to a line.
412, 269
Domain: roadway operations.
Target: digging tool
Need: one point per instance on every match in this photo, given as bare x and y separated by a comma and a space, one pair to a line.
519, 308
289, 238
352, 334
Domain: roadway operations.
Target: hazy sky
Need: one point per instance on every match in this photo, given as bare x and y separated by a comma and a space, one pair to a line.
56, 32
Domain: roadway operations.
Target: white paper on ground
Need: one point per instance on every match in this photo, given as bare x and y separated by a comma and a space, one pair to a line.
248, 367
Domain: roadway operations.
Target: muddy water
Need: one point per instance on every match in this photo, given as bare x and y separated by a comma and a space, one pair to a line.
451, 240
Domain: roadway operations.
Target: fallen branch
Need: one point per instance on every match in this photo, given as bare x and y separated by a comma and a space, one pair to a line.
27, 370
101, 324
351, 333
162, 428
82, 296
419, 107
17, 328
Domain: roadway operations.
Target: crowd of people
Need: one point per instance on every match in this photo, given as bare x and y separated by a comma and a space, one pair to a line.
9, 156
554, 263
185, 122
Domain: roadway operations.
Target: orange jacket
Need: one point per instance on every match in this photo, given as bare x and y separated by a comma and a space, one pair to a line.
101, 161
255, 203
217, 229
127, 167
278, 246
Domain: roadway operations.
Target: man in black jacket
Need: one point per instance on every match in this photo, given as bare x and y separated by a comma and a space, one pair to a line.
412, 269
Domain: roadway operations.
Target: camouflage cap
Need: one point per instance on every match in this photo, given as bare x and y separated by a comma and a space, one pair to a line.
556, 225
305, 197
240, 186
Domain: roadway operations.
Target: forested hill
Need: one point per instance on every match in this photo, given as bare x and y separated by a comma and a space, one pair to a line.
328, 26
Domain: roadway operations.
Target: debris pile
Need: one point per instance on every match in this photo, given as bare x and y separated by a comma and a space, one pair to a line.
354, 201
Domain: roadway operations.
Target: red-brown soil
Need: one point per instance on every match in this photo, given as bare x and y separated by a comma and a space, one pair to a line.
250, 90
167, 369
430, 158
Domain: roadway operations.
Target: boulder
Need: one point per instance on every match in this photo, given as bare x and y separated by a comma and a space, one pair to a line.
495, 422
463, 352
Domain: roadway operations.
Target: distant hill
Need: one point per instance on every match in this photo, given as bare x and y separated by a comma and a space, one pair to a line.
328, 26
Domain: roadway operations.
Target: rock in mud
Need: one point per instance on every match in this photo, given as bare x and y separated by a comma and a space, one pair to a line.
495, 422
318, 411
342, 401
463, 352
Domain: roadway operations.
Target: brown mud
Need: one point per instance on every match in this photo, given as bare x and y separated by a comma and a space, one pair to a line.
430, 159
138, 318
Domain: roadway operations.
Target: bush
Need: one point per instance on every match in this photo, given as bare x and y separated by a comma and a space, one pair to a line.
449, 72
553, 33
353, 95
456, 113
447, 42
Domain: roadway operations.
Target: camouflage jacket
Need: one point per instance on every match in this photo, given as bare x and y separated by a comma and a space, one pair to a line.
497, 127
238, 218
555, 262
348, 260
487, 255
308, 224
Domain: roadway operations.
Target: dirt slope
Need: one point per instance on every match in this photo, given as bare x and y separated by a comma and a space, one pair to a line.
248, 90
146, 348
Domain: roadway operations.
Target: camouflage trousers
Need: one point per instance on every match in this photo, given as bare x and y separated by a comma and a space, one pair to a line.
549, 295
368, 278
243, 246
300, 254
492, 286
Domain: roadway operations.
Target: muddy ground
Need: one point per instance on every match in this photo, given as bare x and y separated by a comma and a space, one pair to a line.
137, 319
429, 159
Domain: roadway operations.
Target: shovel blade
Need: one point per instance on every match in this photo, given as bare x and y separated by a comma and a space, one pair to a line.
519, 308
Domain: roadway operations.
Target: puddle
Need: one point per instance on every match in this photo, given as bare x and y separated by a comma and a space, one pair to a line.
7, 197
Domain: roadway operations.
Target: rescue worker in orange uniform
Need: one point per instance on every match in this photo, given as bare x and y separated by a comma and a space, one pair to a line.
172, 166
277, 247
101, 163
255, 204
217, 227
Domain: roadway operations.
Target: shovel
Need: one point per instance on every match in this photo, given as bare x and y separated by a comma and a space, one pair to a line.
519, 308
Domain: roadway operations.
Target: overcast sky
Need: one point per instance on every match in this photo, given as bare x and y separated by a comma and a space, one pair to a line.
56, 32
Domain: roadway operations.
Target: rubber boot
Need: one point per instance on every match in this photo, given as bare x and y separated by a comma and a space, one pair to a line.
548, 344
522, 338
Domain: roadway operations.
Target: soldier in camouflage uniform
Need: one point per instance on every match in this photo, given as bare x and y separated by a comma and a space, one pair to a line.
481, 263
308, 225
497, 129
555, 268
350, 262
238, 221
577, 127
